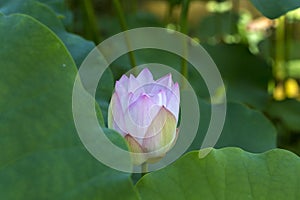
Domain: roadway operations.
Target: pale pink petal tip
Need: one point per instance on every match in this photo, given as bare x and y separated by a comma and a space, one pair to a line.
145, 75
133, 84
123, 79
175, 89
166, 80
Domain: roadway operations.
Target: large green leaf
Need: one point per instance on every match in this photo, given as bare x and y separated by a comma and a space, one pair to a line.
228, 173
41, 155
61, 9
78, 47
274, 9
244, 127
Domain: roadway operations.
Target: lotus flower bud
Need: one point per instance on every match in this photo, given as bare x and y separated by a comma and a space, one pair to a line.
145, 112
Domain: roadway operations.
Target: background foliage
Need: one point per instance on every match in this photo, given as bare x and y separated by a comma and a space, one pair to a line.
43, 44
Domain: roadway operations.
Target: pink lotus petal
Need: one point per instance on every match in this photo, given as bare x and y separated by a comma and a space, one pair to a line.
121, 90
146, 112
117, 128
145, 77
166, 81
164, 127
117, 115
139, 115
156, 88
123, 80
135, 147
137, 93
173, 105
160, 98
175, 90
133, 84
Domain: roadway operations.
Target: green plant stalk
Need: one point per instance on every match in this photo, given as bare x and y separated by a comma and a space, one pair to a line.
134, 6
144, 167
235, 9
168, 14
289, 40
184, 29
124, 27
236, 6
279, 69
218, 27
92, 26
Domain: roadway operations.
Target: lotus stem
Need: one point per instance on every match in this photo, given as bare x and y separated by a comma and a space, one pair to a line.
124, 27
144, 168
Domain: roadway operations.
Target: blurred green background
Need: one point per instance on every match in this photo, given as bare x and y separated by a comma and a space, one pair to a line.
257, 56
